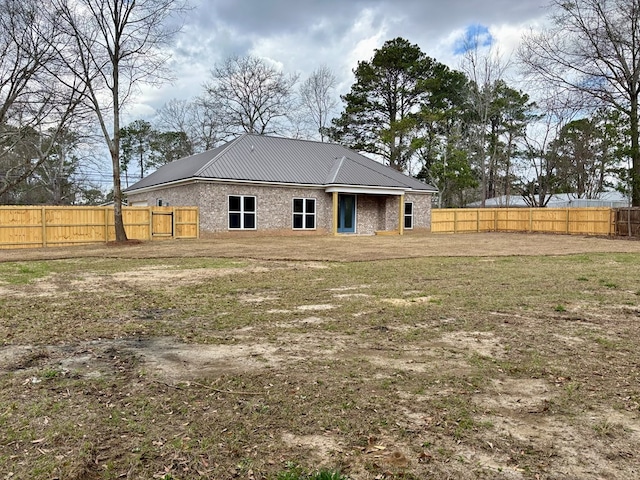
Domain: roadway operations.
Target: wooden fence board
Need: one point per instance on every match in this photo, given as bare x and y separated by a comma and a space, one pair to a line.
627, 221
575, 221
41, 226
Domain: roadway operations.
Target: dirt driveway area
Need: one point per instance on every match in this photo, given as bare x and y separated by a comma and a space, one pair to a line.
343, 248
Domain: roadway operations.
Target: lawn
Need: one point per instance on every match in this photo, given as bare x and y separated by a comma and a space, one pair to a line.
471, 356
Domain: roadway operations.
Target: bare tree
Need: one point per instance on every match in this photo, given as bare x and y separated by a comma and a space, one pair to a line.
116, 45
593, 47
253, 96
198, 119
35, 109
540, 157
485, 69
317, 95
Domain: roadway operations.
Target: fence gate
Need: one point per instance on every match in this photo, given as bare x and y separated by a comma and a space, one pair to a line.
162, 224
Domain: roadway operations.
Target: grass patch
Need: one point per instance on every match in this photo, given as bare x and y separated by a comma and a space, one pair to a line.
22, 273
296, 472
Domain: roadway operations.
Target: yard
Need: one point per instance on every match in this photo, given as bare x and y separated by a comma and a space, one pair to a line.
505, 356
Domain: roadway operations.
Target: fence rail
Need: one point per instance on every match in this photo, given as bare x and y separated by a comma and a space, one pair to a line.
573, 221
47, 226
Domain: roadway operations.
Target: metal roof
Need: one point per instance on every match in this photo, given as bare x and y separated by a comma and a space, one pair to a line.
261, 158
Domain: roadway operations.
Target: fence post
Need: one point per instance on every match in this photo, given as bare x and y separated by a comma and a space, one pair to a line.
530, 219
455, 221
106, 224
173, 222
150, 211
613, 222
43, 219
567, 222
477, 220
197, 223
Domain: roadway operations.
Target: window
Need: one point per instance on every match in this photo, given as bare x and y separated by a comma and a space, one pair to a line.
408, 215
304, 213
242, 212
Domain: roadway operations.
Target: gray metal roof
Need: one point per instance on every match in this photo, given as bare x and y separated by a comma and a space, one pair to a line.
262, 158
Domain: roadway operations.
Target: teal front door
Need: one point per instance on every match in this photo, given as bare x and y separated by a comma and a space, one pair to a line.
346, 213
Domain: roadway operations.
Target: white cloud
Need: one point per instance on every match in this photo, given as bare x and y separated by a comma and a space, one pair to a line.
302, 35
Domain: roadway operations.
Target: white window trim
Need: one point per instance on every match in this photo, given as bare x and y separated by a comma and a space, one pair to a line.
242, 212
404, 210
304, 213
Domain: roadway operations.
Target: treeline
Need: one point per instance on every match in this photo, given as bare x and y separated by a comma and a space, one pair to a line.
469, 131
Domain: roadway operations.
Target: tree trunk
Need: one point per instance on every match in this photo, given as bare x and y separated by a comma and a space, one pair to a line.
121, 234
635, 153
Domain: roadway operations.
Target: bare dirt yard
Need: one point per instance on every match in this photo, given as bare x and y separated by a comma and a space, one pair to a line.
497, 356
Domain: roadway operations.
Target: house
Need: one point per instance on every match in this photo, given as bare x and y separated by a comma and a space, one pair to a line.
260, 183
560, 200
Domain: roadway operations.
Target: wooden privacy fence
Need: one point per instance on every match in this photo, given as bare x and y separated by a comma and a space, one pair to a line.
31, 226
628, 222
573, 221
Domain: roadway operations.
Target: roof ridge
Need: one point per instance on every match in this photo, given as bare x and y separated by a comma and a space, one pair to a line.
305, 140
219, 154
335, 169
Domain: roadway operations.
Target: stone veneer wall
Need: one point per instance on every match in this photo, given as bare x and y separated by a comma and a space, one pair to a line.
186, 195
370, 214
391, 213
421, 210
275, 205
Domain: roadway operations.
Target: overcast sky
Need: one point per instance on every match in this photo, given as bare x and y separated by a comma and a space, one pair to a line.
301, 35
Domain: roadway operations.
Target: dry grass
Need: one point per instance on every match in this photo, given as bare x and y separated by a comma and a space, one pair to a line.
479, 356
341, 248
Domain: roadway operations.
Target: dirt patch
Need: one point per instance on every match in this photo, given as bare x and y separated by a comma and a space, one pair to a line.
319, 447
480, 343
325, 248
347, 288
320, 307
405, 302
527, 395
157, 276
255, 298
351, 295
167, 358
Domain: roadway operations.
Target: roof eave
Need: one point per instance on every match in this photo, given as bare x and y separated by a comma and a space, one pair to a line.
340, 188
365, 189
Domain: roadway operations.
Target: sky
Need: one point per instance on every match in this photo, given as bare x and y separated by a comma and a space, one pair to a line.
299, 36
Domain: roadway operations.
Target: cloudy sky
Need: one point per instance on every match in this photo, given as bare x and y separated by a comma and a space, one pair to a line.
301, 35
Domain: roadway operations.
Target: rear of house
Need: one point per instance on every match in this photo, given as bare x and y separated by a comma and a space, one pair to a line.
278, 185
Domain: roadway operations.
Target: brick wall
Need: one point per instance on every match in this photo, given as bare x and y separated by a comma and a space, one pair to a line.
370, 214
421, 210
273, 211
274, 206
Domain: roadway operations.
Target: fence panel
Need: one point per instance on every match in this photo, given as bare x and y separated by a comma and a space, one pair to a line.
33, 226
627, 221
186, 223
576, 221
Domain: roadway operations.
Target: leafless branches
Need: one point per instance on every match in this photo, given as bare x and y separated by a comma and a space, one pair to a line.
318, 99
114, 46
252, 95
593, 48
